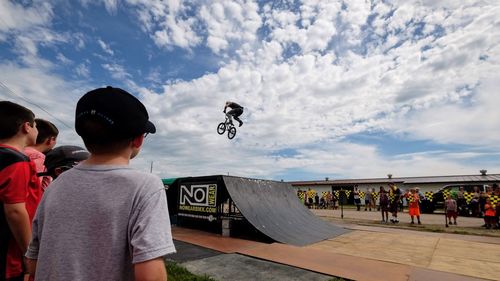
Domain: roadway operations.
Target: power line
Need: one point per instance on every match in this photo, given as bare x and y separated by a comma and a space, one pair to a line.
12, 93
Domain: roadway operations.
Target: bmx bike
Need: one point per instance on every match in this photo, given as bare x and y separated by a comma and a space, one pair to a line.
227, 126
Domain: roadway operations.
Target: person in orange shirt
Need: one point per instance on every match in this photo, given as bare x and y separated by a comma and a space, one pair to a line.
414, 202
489, 214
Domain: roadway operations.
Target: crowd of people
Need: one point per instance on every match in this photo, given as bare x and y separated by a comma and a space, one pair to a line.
393, 199
73, 214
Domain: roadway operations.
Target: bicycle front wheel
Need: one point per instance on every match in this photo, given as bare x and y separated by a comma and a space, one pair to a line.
231, 132
221, 128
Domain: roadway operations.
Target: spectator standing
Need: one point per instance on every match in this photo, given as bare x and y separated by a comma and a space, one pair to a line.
451, 208
334, 201
310, 197
384, 204
357, 199
368, 199
413, 199
474, 204
372, 199
461, 201
489, 214
497, 215
395, 199
329, 200
483, 195
17, 180
45, 141
117, 216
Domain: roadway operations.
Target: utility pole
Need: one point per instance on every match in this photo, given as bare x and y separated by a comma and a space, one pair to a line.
151, 170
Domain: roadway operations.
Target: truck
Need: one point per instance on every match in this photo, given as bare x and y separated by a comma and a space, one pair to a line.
438, 198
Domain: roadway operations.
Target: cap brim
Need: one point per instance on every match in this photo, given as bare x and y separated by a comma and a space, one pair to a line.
150, 128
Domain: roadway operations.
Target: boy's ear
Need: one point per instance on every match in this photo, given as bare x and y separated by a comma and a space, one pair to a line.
138, 141
50, 141
26, 127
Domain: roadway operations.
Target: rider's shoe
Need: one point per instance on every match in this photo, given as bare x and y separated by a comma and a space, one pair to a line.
241, 123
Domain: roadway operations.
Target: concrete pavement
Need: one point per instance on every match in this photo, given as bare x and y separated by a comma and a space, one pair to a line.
372, 253
404, 218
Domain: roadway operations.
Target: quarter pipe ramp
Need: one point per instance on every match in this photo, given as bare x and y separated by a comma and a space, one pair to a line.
271, 207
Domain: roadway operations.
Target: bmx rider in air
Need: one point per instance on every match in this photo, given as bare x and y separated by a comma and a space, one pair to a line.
236, 111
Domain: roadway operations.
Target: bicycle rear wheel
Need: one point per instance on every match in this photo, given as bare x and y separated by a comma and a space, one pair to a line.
231, 133
221, 128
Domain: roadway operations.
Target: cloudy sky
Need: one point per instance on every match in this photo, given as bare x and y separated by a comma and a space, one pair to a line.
338, 89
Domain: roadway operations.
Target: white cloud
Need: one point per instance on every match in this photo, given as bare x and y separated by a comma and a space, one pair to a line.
222, 25
17, 18
37, 89
83, 70
317, 97
168, 23
117, 71
422, 70
63, 59
110, 5
105, 47
79, 40
227, 22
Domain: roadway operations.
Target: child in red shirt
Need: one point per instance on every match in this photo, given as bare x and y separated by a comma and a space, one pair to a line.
19, 183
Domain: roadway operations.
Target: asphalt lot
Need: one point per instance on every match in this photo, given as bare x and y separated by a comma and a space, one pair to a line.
236, 267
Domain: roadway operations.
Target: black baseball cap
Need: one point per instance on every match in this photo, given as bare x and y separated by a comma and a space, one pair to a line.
116, 109
64, 156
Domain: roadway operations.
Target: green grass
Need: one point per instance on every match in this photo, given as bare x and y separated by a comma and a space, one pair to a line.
179, 273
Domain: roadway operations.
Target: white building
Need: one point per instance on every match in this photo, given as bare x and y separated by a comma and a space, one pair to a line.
430, 183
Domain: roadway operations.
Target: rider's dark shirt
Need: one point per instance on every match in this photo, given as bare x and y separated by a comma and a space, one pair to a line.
234, 105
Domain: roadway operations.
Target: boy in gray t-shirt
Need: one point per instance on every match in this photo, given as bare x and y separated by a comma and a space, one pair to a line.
103, 220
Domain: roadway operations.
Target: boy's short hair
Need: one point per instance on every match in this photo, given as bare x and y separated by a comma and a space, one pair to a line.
45, 130
109, 118
12, 116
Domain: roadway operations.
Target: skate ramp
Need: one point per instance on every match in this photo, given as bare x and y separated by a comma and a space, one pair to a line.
274, 209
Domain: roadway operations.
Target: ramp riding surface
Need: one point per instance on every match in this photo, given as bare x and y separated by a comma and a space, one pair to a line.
274, 209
